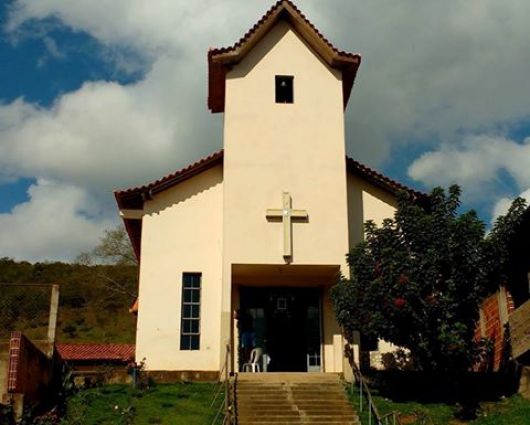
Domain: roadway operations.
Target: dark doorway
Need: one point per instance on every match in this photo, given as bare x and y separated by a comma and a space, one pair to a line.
287, 326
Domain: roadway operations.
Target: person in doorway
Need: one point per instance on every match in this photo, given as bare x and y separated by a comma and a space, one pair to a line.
247, 336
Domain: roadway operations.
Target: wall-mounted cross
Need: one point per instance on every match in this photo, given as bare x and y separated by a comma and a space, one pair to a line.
287, 214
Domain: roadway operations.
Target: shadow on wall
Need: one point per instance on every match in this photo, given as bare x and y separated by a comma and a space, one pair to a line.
185, 190
366, 202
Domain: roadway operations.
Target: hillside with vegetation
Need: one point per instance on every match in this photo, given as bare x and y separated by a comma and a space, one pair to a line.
96, 293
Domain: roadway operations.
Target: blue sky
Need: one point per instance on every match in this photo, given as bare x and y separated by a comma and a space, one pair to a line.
98, 94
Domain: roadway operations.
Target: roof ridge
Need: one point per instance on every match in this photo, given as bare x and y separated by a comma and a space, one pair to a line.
276, 8
220, 58
149, 186
134, 198
95, 351
211, 159
392, 184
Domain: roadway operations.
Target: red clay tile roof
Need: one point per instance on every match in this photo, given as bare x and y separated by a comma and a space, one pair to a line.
221, 58
379, 179
134, 198
72, 352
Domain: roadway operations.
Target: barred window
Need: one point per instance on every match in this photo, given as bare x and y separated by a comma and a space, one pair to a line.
190, 324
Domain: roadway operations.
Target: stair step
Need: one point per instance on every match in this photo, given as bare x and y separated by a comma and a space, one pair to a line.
292, 399
290, 408
293, 413
348, 417
301, 422
315, 418
293, 389
304, 396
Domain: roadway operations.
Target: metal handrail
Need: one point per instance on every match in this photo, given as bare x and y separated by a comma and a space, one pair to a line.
372, 408
226, 405
394, 416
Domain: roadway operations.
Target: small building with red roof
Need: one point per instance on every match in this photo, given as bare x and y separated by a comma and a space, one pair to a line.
93, 360
239, 249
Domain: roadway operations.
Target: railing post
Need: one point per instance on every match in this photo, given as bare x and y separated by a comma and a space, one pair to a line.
52, 318
360, 396
228, 414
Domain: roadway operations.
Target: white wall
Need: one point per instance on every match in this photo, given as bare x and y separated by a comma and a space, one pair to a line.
366, 202
182, 232
273, 148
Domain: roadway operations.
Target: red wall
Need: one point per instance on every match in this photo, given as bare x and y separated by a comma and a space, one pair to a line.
30, 370
491, 326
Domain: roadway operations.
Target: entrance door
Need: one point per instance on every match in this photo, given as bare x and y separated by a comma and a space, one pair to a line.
289, 327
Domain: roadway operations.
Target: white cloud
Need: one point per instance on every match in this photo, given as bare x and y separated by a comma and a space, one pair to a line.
58, 222
503, 205
479, 164
106, 135
430, 70
475, 163
432, 73
153, 27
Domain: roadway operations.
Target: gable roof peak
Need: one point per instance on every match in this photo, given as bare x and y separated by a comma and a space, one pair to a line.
220, 59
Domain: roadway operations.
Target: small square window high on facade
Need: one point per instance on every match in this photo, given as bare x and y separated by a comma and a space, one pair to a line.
284, 89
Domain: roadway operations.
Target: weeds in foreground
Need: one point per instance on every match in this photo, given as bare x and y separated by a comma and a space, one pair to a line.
513, 410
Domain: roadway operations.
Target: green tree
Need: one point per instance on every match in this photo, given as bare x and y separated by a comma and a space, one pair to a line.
114, 248
417, 280
113, 261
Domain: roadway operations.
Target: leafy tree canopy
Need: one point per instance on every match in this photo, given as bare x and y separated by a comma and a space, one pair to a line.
418, 279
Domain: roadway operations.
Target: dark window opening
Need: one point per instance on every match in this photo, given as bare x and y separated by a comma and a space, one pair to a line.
369, 343
190, 323
284, 89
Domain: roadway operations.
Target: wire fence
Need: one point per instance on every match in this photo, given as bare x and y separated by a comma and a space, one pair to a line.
30, 309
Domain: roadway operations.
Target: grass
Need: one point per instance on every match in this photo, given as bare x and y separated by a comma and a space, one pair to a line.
178, 404
512, 410
189, 404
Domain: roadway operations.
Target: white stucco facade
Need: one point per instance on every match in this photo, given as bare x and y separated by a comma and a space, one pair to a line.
211, 218
182, 232
269, 148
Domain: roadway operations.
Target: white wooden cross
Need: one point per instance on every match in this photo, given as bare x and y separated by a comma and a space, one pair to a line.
287, 214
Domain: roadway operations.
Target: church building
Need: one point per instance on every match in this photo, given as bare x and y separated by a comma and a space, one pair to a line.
263, 226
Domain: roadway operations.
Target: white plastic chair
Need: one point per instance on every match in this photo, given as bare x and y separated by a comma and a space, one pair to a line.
253, 363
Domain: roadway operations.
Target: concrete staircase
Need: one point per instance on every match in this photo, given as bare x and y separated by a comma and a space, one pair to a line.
292, 399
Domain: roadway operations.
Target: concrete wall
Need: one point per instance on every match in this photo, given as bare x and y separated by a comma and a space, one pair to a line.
524, 385
520, 333
366, 202
4, 367
273, 148
182, 232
